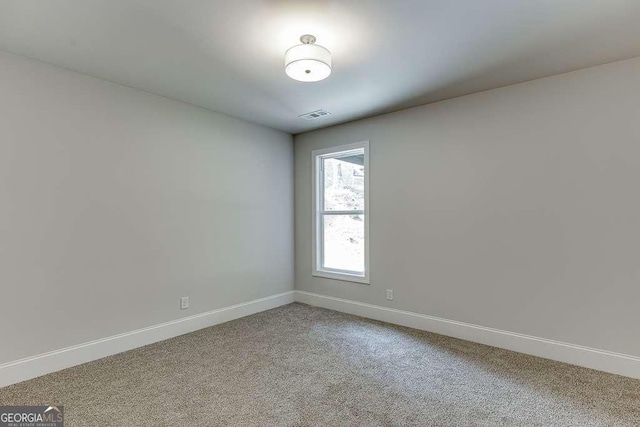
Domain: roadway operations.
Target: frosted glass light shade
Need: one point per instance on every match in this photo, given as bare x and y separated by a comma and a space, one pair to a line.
307, 62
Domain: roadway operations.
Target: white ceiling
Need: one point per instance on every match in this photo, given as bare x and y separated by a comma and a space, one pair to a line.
227, 56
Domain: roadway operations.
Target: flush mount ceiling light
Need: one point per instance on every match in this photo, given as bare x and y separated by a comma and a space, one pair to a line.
307, 62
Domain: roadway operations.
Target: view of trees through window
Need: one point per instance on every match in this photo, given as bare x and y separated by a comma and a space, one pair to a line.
343, 239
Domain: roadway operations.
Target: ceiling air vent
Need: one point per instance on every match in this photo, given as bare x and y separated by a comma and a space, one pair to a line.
314, 115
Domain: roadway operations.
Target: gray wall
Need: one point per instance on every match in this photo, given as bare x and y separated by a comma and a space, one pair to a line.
114, 203
516, 208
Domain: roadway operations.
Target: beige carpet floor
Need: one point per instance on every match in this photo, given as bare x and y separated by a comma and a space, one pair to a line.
298, 365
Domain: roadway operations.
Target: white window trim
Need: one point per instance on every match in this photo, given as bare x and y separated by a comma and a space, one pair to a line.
316, 157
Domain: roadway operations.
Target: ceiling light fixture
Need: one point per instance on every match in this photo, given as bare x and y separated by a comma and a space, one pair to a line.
307, 62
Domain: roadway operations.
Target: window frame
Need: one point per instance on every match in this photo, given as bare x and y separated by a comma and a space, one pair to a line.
318, 213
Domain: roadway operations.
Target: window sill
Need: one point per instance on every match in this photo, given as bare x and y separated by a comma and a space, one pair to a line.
341, 276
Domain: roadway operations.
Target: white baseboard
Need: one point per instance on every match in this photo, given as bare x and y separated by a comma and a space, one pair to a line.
35, 366
602, 360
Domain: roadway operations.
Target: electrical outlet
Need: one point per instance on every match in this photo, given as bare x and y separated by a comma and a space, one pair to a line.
184, 303
390, 294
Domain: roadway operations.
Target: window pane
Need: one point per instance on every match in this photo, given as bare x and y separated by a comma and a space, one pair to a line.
344, 242
344, 183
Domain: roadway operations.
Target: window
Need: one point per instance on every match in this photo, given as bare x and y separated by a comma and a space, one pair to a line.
340, 217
